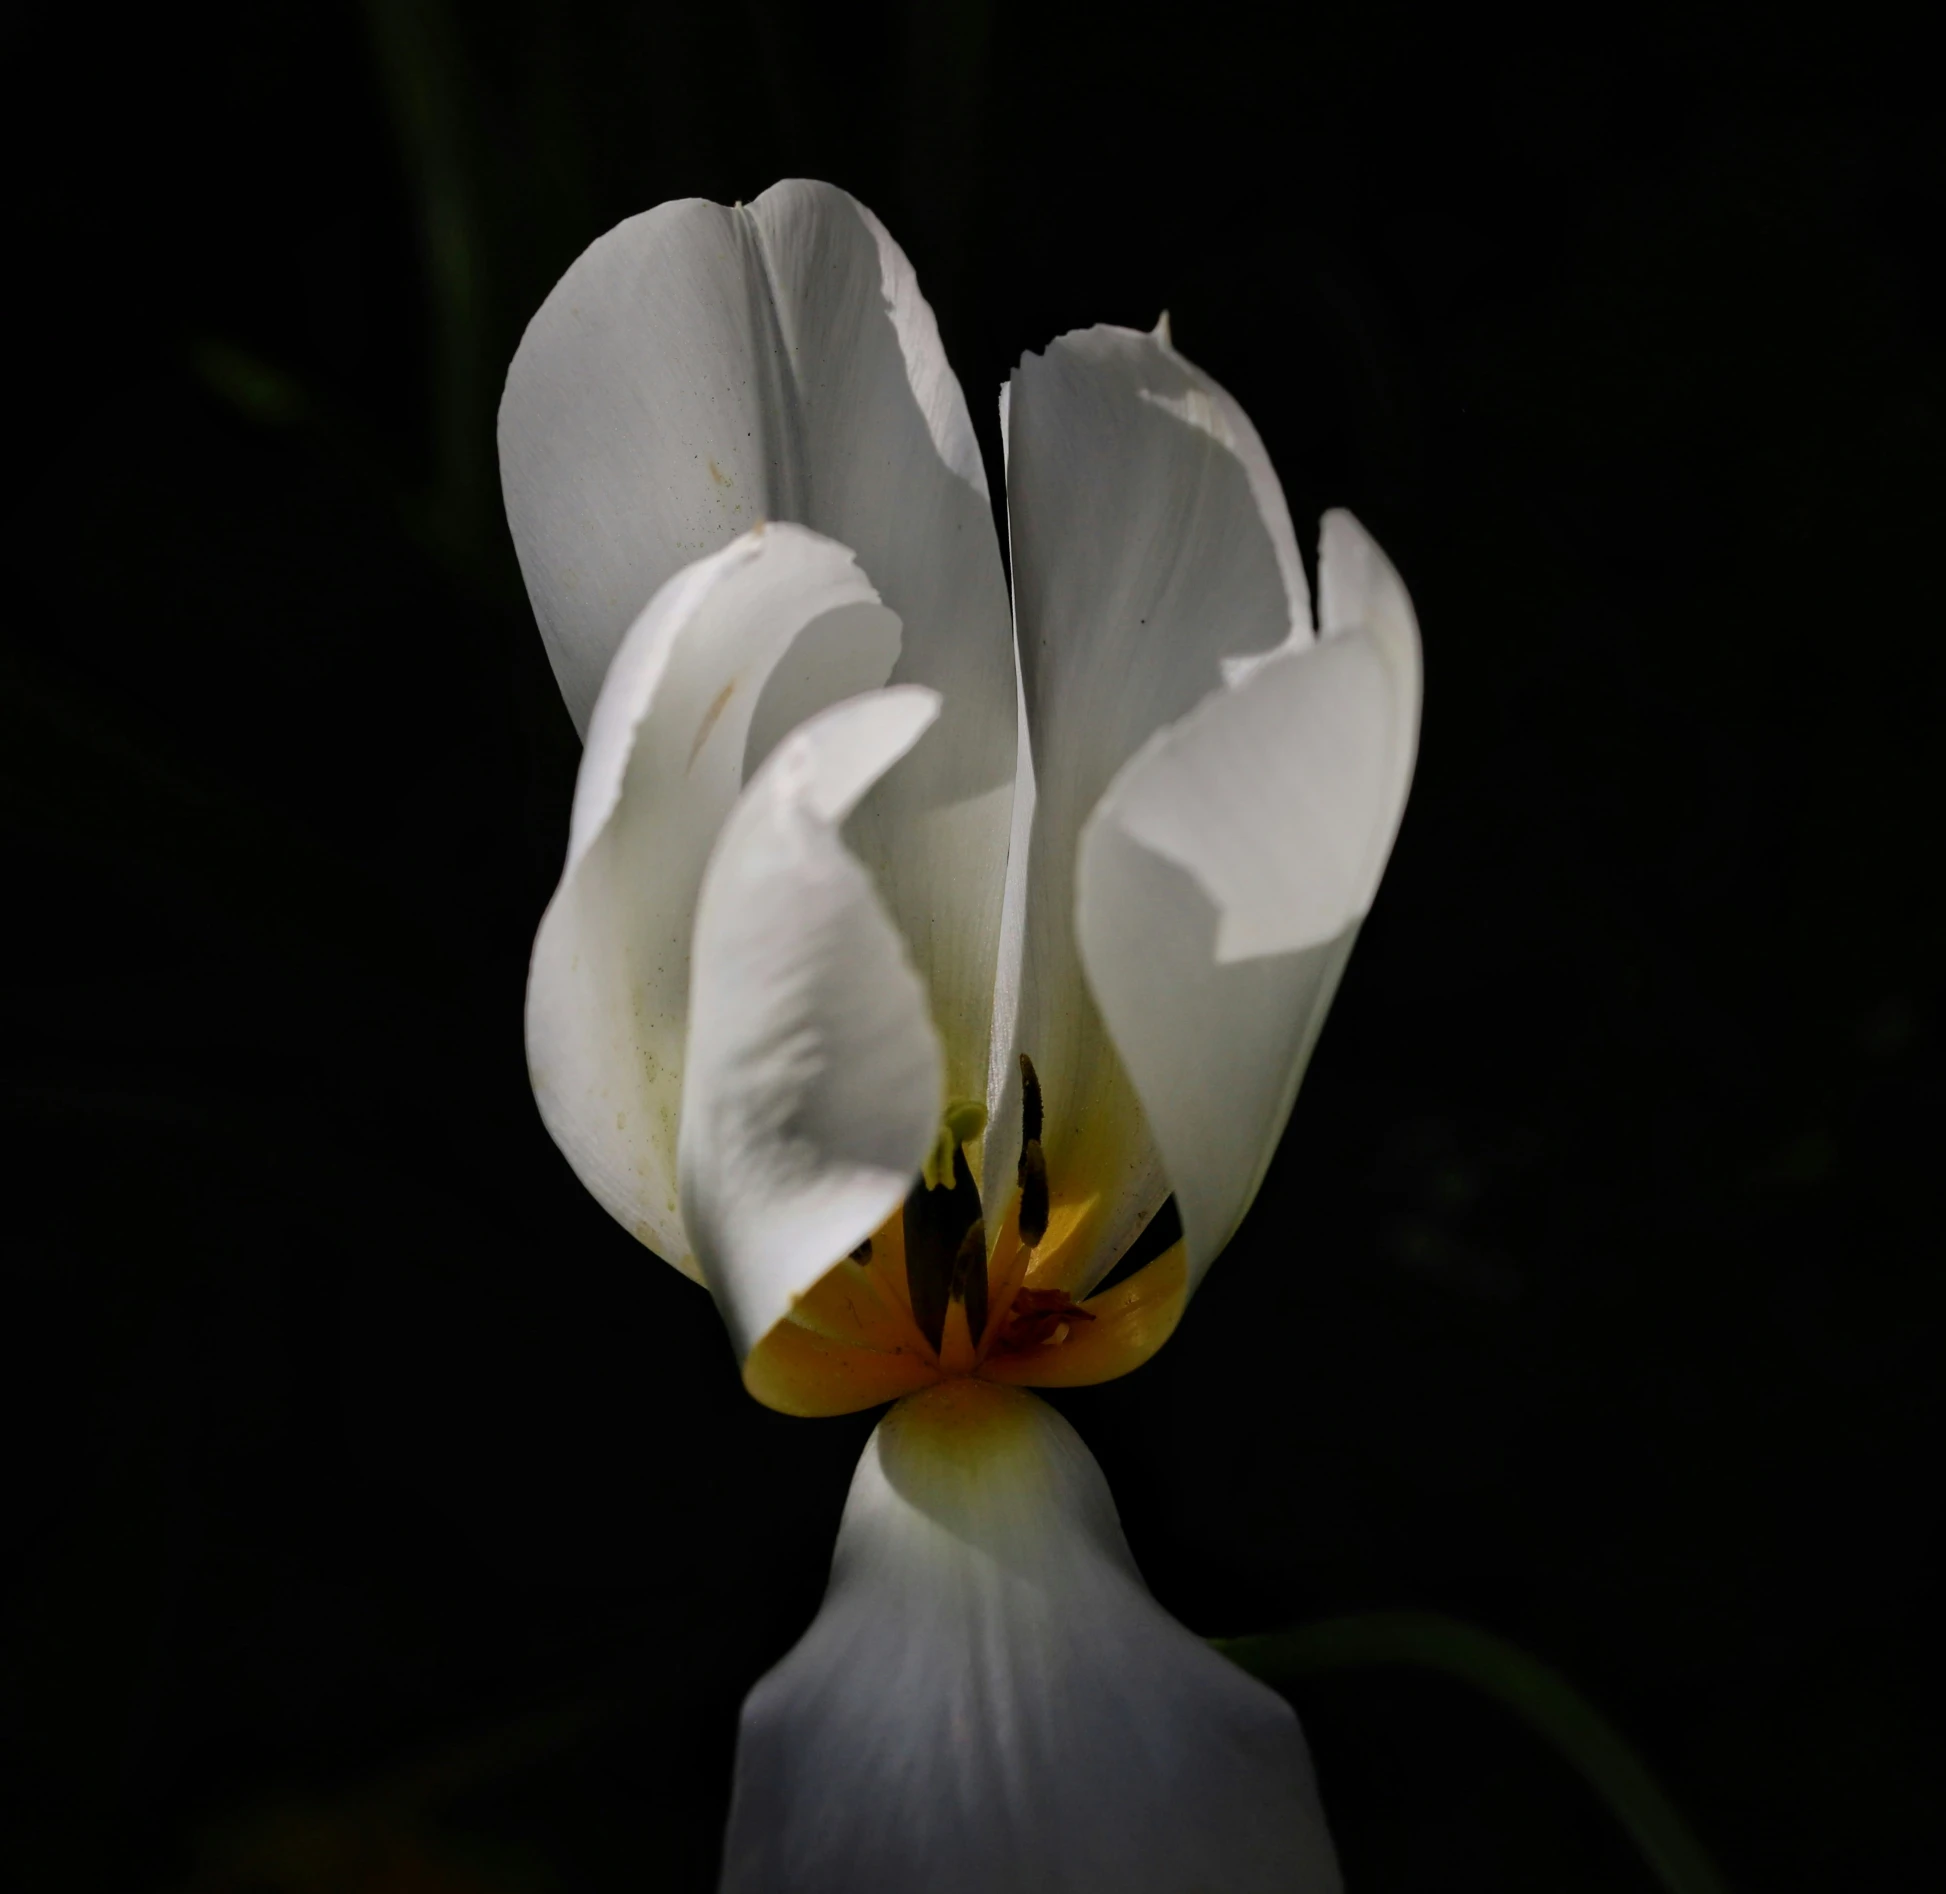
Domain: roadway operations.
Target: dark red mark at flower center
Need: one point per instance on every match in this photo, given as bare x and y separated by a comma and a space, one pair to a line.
1039, 1318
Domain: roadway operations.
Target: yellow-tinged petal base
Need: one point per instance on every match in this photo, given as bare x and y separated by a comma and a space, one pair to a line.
850, 1342
797, 1371
957, 1428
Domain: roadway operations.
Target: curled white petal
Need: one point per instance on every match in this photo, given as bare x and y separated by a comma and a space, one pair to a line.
814, 1081
727, 654
1223, 876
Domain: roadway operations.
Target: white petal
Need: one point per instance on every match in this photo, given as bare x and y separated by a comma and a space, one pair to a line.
775, 625
1153, 560
699, 369
814, 1082
989, 1698
1223, 877
1359, 590
1002, 1145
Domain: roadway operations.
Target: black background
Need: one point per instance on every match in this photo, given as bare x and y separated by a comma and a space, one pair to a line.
391, 1520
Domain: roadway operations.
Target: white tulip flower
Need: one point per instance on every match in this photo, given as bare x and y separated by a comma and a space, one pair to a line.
911, 950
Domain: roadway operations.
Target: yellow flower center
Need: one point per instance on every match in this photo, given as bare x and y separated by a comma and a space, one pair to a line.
929, 1299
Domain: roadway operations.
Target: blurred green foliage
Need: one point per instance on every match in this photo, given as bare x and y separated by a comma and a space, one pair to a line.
1540, 1697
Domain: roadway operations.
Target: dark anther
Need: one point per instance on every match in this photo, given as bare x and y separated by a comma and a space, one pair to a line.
1033, 1194
863, 1253
1033, 1165
941, 1226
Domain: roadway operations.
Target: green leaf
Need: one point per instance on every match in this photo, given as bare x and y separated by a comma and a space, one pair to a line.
255, 389
421, 63
1540, 1696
